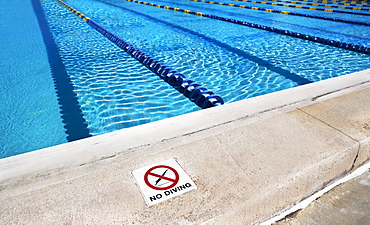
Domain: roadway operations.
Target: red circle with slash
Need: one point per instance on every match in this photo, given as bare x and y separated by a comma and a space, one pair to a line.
172, 181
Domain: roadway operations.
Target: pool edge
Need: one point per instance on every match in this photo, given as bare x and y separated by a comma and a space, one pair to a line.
106, 145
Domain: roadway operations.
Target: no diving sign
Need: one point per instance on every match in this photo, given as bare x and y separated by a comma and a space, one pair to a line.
162, 181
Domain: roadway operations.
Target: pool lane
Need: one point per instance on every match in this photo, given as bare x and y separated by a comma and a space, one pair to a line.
288, 75
283, 12
338, 44
114, 90
339, 5
362, 18
29, 111
347, 33
323, 8
195, 92
336, 3
74, 122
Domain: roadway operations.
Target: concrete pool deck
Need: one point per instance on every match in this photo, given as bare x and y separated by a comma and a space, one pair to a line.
250, 160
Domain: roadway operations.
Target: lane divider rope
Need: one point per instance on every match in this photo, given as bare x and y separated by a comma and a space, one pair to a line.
361, 4
195, 92
323, 2
284, 12
321, 5
338, 44
353, 3
305, 7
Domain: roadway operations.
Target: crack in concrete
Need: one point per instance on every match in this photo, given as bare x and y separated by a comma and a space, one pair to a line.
331, 92
337, 129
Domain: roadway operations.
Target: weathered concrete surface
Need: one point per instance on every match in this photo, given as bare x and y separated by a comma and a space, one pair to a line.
348, 118
246, 171
348, 203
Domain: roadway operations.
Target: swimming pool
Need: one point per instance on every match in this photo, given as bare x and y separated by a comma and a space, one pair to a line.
114, 91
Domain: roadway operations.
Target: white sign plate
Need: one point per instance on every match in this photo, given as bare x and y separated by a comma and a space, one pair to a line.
162, 181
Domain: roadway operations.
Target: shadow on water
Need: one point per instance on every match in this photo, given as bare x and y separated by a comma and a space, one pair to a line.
75, 124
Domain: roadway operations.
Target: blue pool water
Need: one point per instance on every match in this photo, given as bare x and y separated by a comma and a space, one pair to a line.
114, 91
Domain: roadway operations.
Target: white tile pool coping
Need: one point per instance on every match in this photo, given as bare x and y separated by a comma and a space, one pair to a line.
198, 141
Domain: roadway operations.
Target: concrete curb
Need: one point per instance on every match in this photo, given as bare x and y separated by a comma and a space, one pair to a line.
351, 207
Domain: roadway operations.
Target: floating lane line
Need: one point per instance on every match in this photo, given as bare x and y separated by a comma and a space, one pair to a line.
339, 3
353, 3
332, 4
305, 7
322, 5
195, 92
338, 44
283, 12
